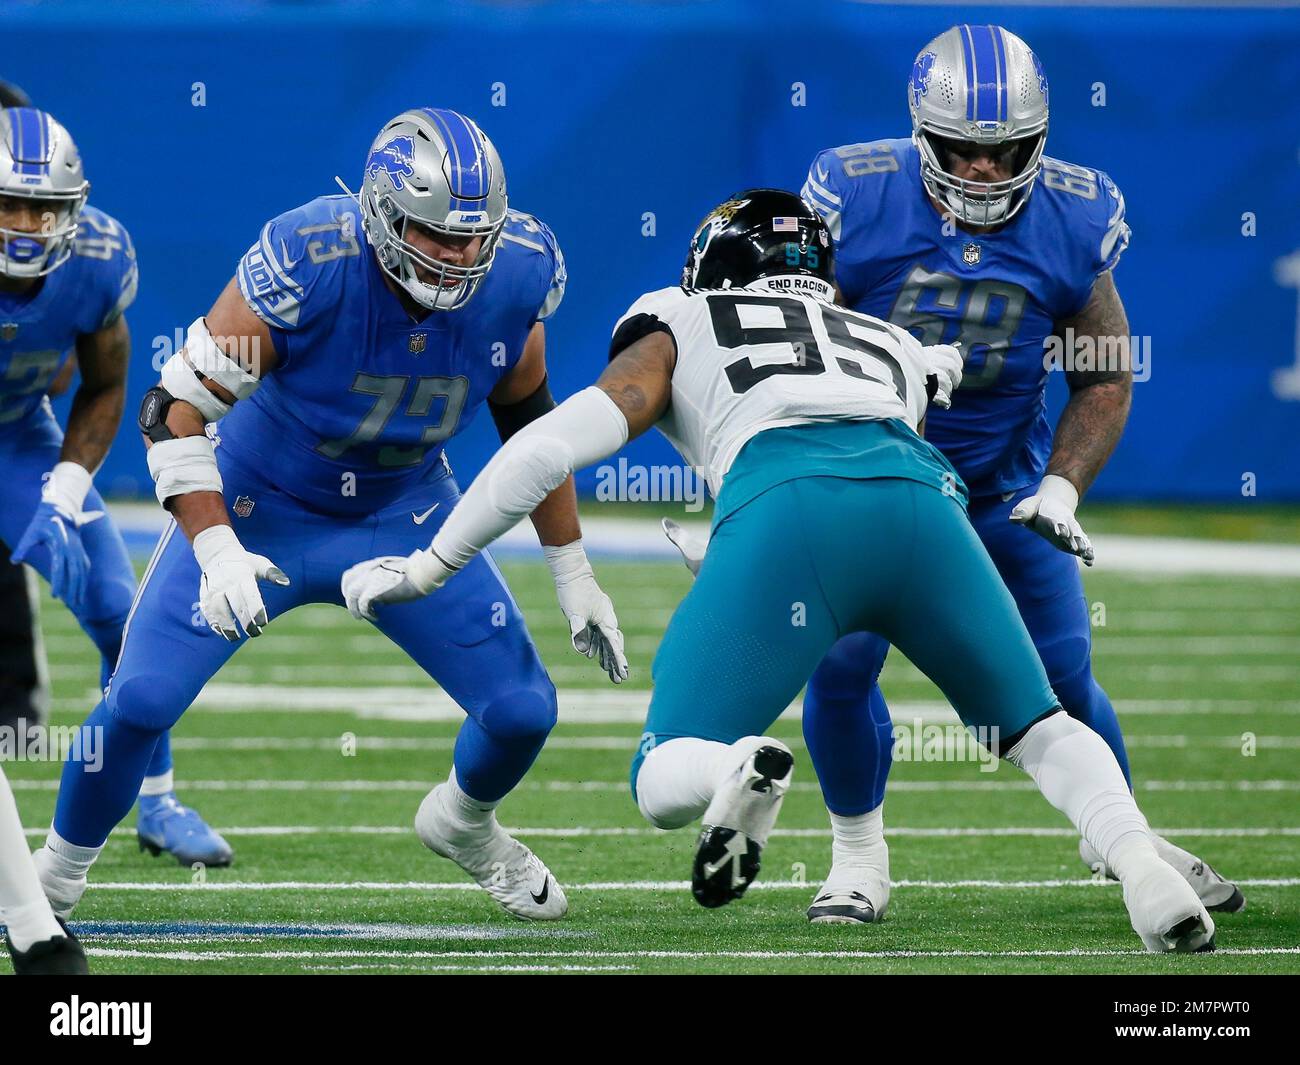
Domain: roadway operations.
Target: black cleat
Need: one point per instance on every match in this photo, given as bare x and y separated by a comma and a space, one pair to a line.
58, 956
737, 824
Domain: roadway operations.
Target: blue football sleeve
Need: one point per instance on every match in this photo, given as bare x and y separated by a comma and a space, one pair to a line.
290, 260
105, 240
1115, 237
548, 271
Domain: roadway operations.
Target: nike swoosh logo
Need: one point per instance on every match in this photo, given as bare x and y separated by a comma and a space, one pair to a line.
288, 263
822, 173
420, 519
540, 897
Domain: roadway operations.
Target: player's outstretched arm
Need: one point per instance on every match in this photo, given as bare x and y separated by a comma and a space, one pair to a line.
92, 423
631, 395
520, 398
1090, 425
224, 358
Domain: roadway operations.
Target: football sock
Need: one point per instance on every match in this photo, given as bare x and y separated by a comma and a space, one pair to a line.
68, 860
859, 841
161, 784
101, 779
22, 902
677, 779
1078, 774
467, 812
850, 740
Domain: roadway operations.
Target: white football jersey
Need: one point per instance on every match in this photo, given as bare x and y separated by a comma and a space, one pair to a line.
753, 359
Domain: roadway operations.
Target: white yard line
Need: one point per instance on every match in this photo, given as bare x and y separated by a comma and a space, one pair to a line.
279, 784
610, 885
607, 706
493, 956
637, 538
583, 831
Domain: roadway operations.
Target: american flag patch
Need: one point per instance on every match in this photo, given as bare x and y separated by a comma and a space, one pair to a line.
785, 225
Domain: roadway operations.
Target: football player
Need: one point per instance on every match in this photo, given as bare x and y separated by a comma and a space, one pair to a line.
968, 233
67, 275
358, 335
833, 516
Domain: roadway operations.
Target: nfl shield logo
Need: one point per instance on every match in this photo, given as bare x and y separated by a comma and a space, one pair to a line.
8, 330
970, 254
415, 345
243, 506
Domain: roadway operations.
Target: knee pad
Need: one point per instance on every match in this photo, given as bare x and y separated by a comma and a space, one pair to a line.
523, 715
850, 668
150, 701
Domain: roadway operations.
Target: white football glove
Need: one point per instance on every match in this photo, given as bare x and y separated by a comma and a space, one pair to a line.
944, 364
593, 625
691, 544
391, 579
228, 593
1050, 513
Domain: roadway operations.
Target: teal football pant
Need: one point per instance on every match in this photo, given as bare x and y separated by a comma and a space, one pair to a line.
815, 558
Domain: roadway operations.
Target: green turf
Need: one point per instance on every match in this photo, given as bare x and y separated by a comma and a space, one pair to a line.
1204, 672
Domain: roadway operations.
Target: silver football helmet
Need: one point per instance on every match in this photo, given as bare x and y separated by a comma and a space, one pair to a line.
433, 168
39, 162
979, 84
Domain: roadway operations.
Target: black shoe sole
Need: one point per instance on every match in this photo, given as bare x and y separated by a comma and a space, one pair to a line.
1235, 903
726, 885
1184, 927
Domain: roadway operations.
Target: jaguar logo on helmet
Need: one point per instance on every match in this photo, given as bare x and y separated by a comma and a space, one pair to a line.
393, 159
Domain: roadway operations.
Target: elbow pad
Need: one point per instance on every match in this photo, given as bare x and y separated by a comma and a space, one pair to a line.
183, 373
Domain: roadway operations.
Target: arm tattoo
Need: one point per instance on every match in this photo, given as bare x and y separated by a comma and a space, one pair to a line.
1100, 396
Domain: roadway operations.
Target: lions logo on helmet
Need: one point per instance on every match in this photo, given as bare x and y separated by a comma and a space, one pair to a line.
436, 169
921, 71
979, 84
394, 158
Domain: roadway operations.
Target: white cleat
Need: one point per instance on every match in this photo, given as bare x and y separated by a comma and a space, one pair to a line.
62, 893
852, 895
499, 863
1217, 894
1165, 912
739, 820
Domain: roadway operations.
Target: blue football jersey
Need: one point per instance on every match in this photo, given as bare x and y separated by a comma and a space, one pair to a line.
87, 293
362, 397
999, 294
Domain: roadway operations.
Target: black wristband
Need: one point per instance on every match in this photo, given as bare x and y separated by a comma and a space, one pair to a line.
153, 414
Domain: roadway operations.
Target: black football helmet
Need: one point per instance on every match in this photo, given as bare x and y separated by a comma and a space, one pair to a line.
760, 233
